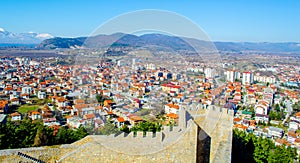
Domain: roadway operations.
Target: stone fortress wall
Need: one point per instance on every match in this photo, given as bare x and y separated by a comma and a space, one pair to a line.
204, 134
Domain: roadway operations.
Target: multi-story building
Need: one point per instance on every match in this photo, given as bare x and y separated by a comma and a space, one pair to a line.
247, 78
209, 72
264, 79
231, 75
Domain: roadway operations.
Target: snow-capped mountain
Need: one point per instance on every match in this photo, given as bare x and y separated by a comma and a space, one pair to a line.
22, 38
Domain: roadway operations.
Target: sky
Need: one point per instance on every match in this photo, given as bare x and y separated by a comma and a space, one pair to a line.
221, 20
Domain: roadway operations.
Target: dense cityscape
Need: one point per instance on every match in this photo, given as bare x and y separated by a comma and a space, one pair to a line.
133, 96
144, 82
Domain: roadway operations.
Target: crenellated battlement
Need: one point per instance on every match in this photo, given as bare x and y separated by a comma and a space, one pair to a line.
167, 145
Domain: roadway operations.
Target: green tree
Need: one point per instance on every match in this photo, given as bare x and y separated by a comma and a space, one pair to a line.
80, 133
282, 154
62, 136
296, 106
125, 129
28, 133
277, 107
41, 138
246, 147
262, 149
274, 115
108, 129
100, 98
147, 126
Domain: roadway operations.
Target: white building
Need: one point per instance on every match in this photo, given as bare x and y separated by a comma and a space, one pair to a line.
231, 75
171, 108
41, 95
120, 63
247, 78
262, 107
209, 72
150, 66
16, 116
36, 115
293, 124
26, 90
276, 132
264, 79
133, 64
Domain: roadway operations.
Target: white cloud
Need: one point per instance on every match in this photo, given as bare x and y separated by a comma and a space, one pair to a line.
44, 35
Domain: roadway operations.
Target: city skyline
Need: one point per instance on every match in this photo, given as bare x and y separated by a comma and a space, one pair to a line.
267, 21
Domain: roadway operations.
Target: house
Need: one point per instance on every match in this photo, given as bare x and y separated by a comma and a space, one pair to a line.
280, 142
25, 96
172, 108
89, 117
134, 120
26, 90
170, 87
246, 115
250, 99
262, 107
275, 131
99, 123
261, 118
171, 117
118, 98
15, 101
3, 106
237, 120
43, 84
293, 125
291, 136
16, 116
50, 121
240, 127
36, 115
178, 99
75, 122
65, 110
297, 142
119, 122
41, 95
82, 109
137, 103
8, 90
62, 102
106, 93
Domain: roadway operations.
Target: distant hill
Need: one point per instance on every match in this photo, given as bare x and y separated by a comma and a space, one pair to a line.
118, 40
160, 41
7, 37
289, 47
59, 42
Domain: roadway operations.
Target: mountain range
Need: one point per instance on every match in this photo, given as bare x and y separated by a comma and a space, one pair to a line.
151, 41
7, 37
166, 42
118, 40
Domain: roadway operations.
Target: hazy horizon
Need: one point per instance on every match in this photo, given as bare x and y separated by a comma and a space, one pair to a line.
233, 21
